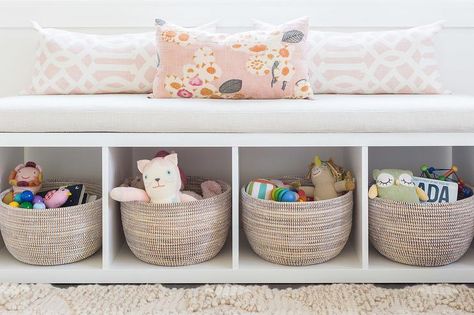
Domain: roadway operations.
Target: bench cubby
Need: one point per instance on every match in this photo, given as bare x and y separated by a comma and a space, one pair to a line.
279, 162
208, 162
412, 158
83, 164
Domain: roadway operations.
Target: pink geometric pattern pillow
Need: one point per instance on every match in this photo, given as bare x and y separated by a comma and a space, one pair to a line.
77, 63
257, 64
385, 62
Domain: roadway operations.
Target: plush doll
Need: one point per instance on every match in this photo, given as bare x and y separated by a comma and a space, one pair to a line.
329, 179
28, 176
398, 185
162, 181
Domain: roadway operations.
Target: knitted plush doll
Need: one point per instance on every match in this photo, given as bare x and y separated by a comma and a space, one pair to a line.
396, 185
329, 179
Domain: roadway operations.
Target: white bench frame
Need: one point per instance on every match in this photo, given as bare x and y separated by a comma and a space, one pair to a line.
236, 263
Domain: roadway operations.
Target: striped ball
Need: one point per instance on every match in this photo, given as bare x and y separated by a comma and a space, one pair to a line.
260, 188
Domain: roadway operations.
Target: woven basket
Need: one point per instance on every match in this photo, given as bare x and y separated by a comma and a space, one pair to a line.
178, 234
429, 234
297, 233
53, 236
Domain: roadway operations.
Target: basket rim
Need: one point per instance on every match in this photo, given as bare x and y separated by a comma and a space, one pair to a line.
50, 210
315, 202
228, 190
422, 205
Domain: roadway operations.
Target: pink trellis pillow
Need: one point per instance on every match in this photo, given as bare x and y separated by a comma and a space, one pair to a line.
258, 64
392, 62
77, 63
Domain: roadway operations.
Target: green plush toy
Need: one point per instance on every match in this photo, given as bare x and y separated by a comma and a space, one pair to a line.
396, 185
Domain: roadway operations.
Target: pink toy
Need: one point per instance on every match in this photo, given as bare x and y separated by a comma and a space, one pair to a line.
210, 189
127, 194
56, 198
28, 176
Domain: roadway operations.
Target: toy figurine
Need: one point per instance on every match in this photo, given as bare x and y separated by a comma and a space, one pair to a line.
396, 185
329, 179
28, 176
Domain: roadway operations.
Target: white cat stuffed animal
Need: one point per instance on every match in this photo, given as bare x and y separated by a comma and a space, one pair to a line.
162, 179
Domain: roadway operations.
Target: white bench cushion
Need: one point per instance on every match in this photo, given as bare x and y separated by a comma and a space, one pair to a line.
324, 113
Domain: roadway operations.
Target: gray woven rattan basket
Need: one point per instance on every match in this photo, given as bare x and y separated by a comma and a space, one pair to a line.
430, 234
178, 234
297, 233
53, 236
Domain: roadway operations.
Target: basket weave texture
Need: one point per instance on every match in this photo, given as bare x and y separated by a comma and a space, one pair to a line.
178, 234
430, 234
53, 236
297, 233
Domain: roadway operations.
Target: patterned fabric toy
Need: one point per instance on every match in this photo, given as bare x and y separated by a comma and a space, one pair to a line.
398, 185
28, 176
329, 179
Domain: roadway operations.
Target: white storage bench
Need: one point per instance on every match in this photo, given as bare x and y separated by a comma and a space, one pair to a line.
100, 137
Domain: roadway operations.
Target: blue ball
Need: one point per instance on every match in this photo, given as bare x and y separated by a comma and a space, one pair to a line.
289, 196
27, 195
39, 205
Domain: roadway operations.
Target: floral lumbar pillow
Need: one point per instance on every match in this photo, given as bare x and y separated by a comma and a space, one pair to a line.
268, 63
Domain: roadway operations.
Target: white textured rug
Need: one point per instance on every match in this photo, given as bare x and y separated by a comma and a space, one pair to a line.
235, 299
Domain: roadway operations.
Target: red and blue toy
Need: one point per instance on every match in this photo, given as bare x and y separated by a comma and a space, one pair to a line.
449, 175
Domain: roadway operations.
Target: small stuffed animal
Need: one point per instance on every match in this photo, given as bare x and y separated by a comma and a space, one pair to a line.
162, 181
135, 182
329, 179
56, 198
28, 176
398, 185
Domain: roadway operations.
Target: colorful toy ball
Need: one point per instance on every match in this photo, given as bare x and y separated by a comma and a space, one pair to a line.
17, 198
302, 195
14, 204
37, 199
260, 189
289, 196
39, 205
26, 205
27, 195
283, 194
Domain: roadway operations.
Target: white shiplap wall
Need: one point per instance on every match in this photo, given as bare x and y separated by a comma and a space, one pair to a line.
18, 40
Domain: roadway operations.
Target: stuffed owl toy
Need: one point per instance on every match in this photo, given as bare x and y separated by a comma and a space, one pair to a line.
396, 185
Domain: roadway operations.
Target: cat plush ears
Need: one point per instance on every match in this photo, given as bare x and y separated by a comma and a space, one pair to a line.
142, 164
173, 158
